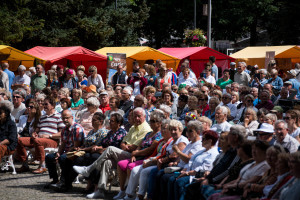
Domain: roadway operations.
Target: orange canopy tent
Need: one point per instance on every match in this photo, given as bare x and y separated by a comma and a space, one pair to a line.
198, 57
72, 57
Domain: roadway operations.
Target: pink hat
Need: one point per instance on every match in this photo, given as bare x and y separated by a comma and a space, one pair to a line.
69, 71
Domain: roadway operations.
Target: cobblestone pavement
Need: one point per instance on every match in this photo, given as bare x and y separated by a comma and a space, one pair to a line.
30, 186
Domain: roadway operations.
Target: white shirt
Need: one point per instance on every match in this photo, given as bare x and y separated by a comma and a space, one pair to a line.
192, 75
5, 80
190, 148
22, 80
211, 79
188, 81
17, 112
295, 133
290, 143
223, 127
136, 89
98, 82
249, 171
179, 140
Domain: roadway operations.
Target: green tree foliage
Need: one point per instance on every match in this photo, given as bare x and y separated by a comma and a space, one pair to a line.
89, 23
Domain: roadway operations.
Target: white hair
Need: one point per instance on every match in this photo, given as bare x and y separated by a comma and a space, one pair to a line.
139, 109
54, 67
128, 89
33, 69
223, 109
165, 108
281, 121
94, 101
41, 96
28, 73
22, 67
263, 71
7, 104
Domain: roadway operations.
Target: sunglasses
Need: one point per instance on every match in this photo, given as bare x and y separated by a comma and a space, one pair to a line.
153, 121
18, 97
2, 94
287, 118
225, 98
249, 101
201, 99
46, 104
91, 71
30, 107
89, 104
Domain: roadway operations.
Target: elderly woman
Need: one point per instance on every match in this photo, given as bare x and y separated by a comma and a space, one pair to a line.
167, 99
221, 120
248, 103
76, 99
5, 94
275, 81
200, 162
270, 118
95, 79
265, 101
52, 78
253, 190
203, 104
292, 118
217, 94
235, 98
249, 174
8, 133
145, 149
206, 123
213, 103
28, 123
250, 121
114, 104
163, 77
86, 117
22, 79
40, 100
139, 174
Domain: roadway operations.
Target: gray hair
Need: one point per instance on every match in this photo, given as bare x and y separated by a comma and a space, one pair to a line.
158, 115
28, 73
228, 95
236, 94
243, 63
235, 83
271, 116
32, 69
249, 96
94, 101
196, 125
21, 92
228, 86
22, 67
223, 109
176, 124
7, 104
281, 121
128, 89
139, 109
238, 130
264, 71
166, 122
41, 96
165, 108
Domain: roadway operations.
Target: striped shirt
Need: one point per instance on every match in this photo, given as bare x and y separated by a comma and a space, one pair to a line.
49, 124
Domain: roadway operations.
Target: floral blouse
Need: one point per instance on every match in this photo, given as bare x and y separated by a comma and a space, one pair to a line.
95, 138
147, 141
114, 139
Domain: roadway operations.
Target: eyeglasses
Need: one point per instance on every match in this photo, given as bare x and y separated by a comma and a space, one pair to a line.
203, 91
287, 118
18, 97
91, 71
89, 104
249, 101
153, 121
225, 98
66, 117
2, 94
46, 104
30, 107
201, 99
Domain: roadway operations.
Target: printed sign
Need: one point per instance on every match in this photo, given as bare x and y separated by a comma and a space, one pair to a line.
113, 60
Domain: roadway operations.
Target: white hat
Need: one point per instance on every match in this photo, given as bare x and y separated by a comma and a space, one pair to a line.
266, 128
104, 93
232, 63
292, 72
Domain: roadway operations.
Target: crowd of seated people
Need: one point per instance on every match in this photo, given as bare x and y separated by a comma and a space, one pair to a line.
215, 135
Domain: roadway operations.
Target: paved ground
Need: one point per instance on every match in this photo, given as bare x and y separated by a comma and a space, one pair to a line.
30, 186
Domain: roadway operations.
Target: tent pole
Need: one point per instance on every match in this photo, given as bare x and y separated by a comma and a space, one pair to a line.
209, 25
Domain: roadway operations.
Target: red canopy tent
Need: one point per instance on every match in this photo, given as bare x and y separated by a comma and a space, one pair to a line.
198, 57
72, 57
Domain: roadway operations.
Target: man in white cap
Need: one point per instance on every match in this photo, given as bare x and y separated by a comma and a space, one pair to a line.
291, 75
104, 101
22, 79
265, 133
232, 70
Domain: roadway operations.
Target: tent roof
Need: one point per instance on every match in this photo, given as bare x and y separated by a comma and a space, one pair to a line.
138, 53
57, 53
260, 52
194, 53
16, 54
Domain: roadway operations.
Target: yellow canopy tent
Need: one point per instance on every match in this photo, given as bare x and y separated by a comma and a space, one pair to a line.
141, 54
16, 57
285, 56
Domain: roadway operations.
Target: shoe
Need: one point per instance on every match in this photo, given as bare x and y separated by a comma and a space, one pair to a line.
96, 195
60, 187
47, 186
81, 170
23, 169
129, 198
120, 195
40, 170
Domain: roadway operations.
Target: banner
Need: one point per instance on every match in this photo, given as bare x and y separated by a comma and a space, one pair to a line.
113, 61
270, 55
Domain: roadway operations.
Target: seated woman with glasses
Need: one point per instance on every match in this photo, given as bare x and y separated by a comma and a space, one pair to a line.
86, 117
28, 123
250, 121
213, 103
203, 105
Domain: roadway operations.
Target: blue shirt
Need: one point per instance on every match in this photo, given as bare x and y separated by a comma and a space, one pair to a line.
296, 85
262, 82
215, 70
277, 83
11, 77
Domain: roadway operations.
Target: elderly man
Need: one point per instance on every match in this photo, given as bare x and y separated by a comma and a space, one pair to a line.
261, 80
265, 101
4, 79
221, 120
110, 157
191, 74
22, 79
39, 80
8, 130
226, 101
126, 103
232, 70
10, 74
254, 93
19, 107
104, 102
47, 134
72, 136
283, 138
242, 77
120, 77
265, 133
291, 75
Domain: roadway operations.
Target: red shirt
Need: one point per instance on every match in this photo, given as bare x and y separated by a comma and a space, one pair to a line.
104, 108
